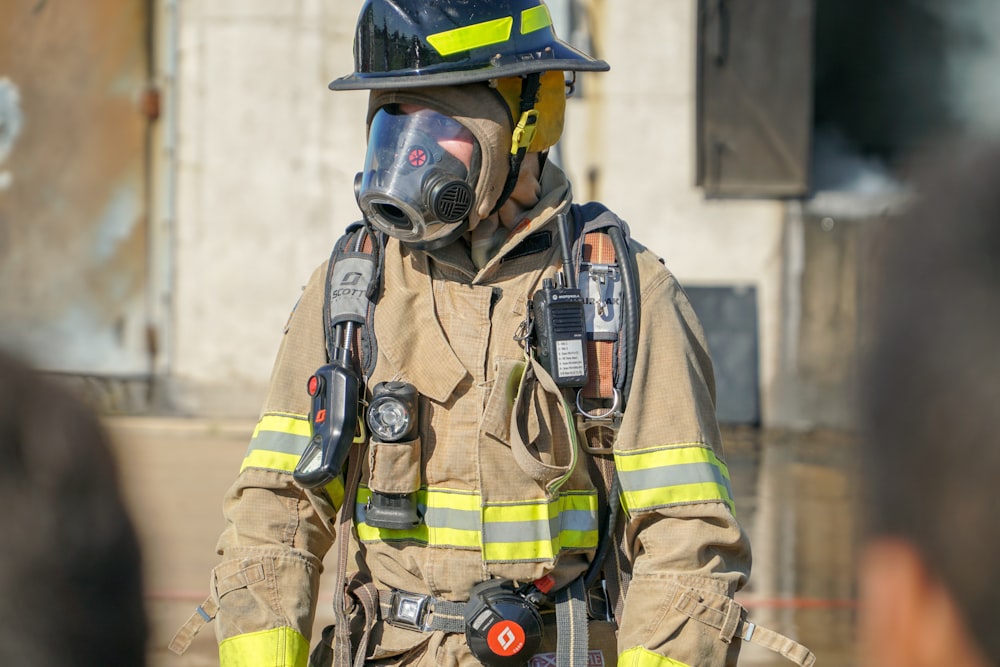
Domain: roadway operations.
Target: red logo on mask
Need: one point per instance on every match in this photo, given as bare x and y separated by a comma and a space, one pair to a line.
417, 157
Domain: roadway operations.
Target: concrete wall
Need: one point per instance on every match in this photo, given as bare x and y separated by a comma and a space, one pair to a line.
265, 157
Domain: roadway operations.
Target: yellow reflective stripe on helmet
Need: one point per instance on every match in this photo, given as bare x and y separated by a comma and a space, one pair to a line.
534, 19
637, 656
280, 647
673, 475
536, 530
472, 36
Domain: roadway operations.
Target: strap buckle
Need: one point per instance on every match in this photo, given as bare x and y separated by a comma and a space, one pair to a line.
524, 133
608, 414
599, 602
409, 610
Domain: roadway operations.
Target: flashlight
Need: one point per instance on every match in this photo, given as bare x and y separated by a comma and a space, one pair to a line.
395, 473
392, 413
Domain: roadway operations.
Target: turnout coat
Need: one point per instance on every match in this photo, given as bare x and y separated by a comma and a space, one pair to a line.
452, 331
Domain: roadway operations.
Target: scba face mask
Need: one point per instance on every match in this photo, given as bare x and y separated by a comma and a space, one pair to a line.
419, 180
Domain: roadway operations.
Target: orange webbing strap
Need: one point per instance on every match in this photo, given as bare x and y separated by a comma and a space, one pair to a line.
597, 249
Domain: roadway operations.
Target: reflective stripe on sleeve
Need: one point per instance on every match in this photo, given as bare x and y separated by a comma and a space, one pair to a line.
277, 444
530, 531
673, 475
278, 441
280, 647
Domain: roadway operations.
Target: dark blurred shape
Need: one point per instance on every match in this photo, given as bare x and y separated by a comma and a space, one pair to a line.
931, 391
70, 569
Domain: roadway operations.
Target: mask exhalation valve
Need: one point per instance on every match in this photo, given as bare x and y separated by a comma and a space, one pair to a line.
451, 200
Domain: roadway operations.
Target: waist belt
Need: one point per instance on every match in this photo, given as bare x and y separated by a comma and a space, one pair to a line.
426, 613
423, 613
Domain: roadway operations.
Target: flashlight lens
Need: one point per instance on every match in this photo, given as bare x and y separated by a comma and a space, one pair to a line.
388, 418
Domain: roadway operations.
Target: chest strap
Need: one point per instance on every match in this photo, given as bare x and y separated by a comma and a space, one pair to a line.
607, 278
601, 282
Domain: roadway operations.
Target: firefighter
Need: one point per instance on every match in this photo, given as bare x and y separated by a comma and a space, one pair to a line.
477, 530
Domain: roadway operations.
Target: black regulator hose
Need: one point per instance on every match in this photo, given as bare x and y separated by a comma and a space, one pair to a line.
630, 307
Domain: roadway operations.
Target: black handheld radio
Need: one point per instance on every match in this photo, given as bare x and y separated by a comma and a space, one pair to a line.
333, 417
559, 322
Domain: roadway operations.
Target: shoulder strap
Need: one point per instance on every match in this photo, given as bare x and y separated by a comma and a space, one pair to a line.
608, 280
353, 285
354, 277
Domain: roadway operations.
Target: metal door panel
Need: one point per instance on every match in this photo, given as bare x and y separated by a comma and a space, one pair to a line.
728, 316
755, 70
73, 200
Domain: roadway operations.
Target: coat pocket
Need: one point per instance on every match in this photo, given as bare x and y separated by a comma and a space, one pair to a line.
677, 619
395, 466
500, 403
263, 593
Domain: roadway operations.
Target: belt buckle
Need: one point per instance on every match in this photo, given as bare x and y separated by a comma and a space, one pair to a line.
598, 602
409, 610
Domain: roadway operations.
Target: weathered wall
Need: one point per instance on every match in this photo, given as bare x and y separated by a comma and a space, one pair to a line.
266, 157
73, 229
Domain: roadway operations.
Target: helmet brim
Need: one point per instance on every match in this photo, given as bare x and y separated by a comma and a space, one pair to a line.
557, 56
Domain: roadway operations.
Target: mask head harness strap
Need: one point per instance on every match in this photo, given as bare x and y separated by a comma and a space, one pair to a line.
524, 132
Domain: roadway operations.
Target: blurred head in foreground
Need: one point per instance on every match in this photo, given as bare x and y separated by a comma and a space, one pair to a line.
70, 566
929, 584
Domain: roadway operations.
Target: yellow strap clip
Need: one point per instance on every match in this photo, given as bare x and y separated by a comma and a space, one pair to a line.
360, 435
524, 133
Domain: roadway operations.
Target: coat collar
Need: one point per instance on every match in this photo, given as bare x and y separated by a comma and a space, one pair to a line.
406, 309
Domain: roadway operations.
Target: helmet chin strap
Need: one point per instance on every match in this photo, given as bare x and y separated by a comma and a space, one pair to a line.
524, 132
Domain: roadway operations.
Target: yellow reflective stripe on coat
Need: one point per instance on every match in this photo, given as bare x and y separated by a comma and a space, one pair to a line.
470, 37
673, 475
529, 531
541, 529
280, 647
277, 444
638, 656
450, 519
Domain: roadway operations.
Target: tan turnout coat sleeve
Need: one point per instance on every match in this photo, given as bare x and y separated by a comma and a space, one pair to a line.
689, 547
277, 534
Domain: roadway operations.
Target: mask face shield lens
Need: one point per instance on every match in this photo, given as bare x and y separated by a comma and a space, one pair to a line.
420, 174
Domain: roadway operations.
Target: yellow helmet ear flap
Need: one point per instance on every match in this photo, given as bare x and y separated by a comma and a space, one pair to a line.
551, 106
